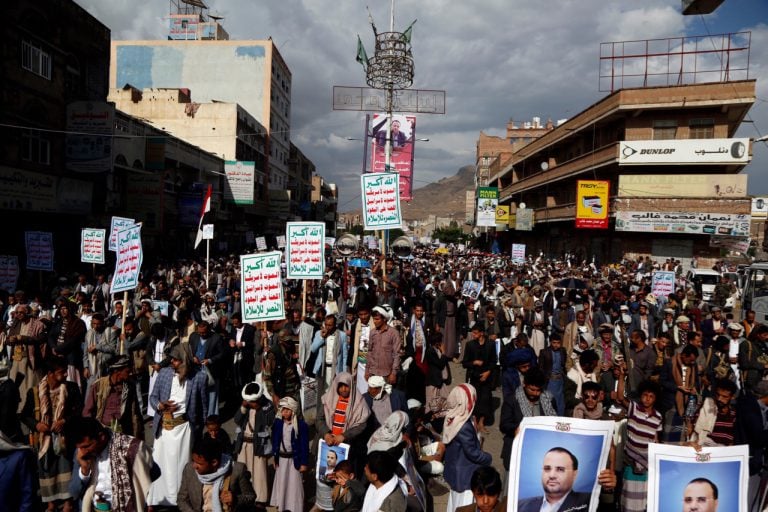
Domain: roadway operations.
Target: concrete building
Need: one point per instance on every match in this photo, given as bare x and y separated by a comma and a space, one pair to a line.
669, 157
220, 128
55, 55
300, 172
491, 150
325, 204
251, 74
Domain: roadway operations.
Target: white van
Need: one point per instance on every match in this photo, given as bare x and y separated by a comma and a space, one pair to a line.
703, 281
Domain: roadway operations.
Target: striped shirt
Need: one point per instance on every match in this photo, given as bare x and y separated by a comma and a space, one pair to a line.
642, 429
340, 416
722, 432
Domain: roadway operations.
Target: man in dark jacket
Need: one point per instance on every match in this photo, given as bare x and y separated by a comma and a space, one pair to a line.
230, 481
210, 352
242, 346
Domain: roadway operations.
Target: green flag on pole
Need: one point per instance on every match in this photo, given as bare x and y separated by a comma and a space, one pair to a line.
362, 57
406, 38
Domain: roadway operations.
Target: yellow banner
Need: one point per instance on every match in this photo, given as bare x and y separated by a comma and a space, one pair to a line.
502, 214
592, 204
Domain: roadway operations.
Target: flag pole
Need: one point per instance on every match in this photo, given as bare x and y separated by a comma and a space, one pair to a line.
207, 263
122, 325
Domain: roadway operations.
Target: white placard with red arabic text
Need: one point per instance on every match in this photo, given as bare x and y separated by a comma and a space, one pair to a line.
116, 225
261, 287
129, 257
381, 201
305, 250
92, 243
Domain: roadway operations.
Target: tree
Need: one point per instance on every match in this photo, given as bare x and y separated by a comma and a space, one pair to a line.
449, 235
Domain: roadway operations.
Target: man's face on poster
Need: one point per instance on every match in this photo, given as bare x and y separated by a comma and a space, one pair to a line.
330, 459
557, 475
699, 497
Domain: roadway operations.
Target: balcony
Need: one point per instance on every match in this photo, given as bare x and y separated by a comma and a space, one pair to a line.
606, 155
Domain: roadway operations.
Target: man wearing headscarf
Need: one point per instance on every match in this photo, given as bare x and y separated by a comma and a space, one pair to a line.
24, 338
384, 348
253, 445
344, 414
382, 400
463, 453
181, 401
390, 433
112, 400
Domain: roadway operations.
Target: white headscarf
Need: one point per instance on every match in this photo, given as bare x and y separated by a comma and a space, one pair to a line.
390, 434
289, 403
460, 404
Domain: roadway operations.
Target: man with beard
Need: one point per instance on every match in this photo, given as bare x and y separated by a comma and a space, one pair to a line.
280, 376
416, 349
112, 400
753, 357
359, 350
243, 348
306, 335
559, 471
100, 347
572, 333
715, 425
643, 321
112, 468
181, 402
528, 400
209, 351
384, 349
24, 337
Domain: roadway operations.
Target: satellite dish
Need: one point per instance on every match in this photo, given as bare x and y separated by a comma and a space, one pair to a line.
346, 244
544, 166
521, 206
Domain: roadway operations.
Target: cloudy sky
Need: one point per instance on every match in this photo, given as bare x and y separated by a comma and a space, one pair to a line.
496, 60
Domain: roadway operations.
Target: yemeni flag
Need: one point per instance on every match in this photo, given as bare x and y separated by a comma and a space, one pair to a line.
205, 210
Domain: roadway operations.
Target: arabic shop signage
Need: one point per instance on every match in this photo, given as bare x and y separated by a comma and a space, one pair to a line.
261, 287
684, 151
686, 223
683, 185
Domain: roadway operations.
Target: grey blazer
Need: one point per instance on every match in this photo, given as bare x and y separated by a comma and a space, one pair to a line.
190, 497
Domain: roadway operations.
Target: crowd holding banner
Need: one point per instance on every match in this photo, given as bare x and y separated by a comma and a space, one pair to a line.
376, 386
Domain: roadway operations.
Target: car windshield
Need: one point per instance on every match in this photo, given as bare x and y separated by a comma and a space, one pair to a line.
708, 279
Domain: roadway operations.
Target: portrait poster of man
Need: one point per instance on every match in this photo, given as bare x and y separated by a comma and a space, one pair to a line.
402, 139
328, 457
558, 460
711, 480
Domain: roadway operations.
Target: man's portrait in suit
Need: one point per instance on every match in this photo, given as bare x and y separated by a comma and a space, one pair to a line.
559, 470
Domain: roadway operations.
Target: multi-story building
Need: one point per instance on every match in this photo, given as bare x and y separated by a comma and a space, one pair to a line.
55, 55
325, 204
669, 156
220, 128
251, 74
300, 172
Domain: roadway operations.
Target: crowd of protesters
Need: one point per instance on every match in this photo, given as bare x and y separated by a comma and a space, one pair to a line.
402, 358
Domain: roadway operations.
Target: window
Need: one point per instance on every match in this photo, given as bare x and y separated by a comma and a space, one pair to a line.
702, 128
664, 129
35, 147
34, 59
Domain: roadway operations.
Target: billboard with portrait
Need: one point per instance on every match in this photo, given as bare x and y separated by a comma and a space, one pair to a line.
403, 138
